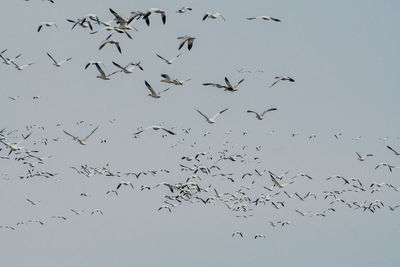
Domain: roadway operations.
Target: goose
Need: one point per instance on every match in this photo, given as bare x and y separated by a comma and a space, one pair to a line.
168, 79
362, 158
83, 22
153, 93
47, 24
123, 23
211, 120
213, 16
18, 67
259, 236
228, 87
58, 64
390, 167
81, 141
156, 127
103, 76
185, 39
6, 60
264, 18
261, 116
154, 10
282, 78
111, 42
237, 233
168, 61
129, 67
394, 151
93, 62
184, 9
125, 183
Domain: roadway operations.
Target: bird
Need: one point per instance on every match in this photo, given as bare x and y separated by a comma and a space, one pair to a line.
362, 158
228, 87
394, 151
211, 120
237, 233
83, 22
58, 64
125, 183
124, 24
129, 67
153, 93
168, 61
103, 76
93, 62
185, 39
97, 211
184, 9
390, 167
261, 116
259, 236
282, 78
22, 67
154, 10
264, 18
168, 79
8, 61
213, 16
47, 24
83, 140
156, 127
111, 42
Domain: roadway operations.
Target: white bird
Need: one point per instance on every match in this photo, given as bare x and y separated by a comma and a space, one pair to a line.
211, 120
152, 92
154, 10
282, 78
129, 67
184, 9
237, 233
168, 61
185, 39
58, 64
390, 167
111, 42
22, 67
213, 16
124, 24
168, 79
83, 140
264, 18
47, 24
83, 22
93, 62
261, 116
228, 87
103, 76
362, 158
6, 60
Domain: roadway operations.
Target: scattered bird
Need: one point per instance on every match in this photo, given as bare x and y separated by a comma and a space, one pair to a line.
22, 67
211, 120
154, 10
264, 18
282, 78
185, 39
168, 61
228, 87
213, 16
81, 141
153, 93
237, 233
168, 79
111, 42
184, 9
261, 116
47, 24
59, 63
362, 158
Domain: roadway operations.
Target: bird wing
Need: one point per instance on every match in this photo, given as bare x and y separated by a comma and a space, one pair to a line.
55, 62
239, 83
184, 39
251, 18
228, 83
100, 70
150, 88
119, 66
118, 17
74, 137
216, 115
95, 129
40, 27
172, 60
202, 114
118, 47
168, 131
268, 110
277, 79
190, 43
250, 111
394, 151
162, 58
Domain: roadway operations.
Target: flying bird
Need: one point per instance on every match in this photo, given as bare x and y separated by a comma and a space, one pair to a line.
213, 16
185, 39
111, 42
47, 24
168, 79
168, 61
282, 78
103, 75
83, 140
261, 116
264, 18
394, 151
211, 120
129, 67
363, 157
22, 67
228, 87
152, 92
184, 9
154, 10
59, 63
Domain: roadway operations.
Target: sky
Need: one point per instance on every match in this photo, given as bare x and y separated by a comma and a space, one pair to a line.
343, 57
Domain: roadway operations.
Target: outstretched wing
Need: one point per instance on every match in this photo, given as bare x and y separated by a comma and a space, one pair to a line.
162, 58
95, 129
55, 62
268, 110
216, 115
202, 114
150, 88
67, 133
100, 70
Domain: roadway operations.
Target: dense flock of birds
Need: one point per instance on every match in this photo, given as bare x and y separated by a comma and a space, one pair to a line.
254, 188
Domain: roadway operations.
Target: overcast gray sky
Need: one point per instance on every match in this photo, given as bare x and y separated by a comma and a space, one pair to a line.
344, 58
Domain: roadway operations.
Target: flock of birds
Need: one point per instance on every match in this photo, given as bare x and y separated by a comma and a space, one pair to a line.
254, 188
